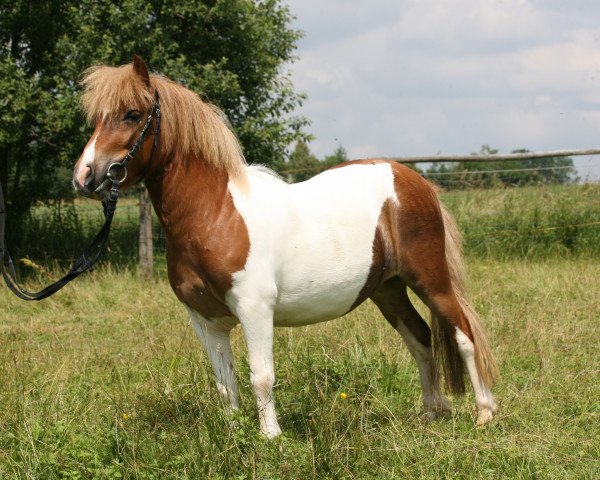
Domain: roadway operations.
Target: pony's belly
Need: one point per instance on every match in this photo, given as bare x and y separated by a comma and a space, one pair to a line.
302, 313
299, 318
316, 301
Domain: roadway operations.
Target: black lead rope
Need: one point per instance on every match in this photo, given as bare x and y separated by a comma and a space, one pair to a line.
116, 174
84, 263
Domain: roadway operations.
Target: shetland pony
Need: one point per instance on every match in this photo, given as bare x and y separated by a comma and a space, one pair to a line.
244, 247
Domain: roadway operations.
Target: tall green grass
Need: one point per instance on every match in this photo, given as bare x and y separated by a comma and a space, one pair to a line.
54, 235
529, 222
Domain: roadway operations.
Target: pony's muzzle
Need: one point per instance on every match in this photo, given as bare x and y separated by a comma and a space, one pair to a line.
83, 177
83, 180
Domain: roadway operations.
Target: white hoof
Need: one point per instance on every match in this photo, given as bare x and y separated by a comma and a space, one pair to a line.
271, 432
485, 415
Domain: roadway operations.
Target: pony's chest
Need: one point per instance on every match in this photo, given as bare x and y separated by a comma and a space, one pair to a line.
192, 289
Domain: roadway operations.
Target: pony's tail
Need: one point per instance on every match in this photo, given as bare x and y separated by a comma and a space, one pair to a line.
446, 350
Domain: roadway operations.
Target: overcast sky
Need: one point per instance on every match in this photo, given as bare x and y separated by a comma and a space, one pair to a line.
419, 77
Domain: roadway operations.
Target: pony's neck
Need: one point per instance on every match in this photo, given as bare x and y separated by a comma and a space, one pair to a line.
187, 189
206, 238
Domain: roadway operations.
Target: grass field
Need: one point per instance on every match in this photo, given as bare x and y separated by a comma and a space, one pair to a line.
107, 380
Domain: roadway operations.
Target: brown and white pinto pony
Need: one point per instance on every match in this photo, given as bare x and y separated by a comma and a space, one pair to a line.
245, 247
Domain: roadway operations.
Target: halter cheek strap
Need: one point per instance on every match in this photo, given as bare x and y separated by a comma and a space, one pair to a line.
118, 170
116, 174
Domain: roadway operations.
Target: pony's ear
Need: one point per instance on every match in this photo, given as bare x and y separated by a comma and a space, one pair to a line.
139, 67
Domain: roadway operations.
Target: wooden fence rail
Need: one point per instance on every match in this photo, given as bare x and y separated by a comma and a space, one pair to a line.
495, 158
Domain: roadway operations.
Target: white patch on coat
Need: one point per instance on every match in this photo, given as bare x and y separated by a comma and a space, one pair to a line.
311, 243
486, 405
214, 336
87, 158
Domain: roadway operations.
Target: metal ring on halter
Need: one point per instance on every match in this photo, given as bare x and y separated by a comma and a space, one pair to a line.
114, 174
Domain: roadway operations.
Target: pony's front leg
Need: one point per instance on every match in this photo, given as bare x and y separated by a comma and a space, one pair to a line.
256, 319
214, 336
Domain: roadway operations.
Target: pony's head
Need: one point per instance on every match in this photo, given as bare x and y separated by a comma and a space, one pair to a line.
118, 101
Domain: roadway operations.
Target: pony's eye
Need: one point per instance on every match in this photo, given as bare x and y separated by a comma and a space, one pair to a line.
133, 115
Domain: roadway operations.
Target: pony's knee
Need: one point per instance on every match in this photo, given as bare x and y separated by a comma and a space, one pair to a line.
262, 383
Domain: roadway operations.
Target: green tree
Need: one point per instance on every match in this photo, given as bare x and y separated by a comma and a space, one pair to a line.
233, 52
547, 170
338, 156
302, 164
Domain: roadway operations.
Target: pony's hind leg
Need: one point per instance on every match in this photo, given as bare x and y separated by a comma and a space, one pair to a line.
456, 322
214, 337
486, 405
428, 258
392, 300
458, 336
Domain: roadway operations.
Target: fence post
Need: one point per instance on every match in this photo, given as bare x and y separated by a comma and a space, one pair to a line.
146, 250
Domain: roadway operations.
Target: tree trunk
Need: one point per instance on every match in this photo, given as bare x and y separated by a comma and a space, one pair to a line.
146, 248
4, 172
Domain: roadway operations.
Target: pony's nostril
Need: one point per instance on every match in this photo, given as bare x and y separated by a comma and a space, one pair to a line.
83, 175
89, 179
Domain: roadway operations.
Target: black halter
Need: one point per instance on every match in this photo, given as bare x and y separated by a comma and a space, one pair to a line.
115, 175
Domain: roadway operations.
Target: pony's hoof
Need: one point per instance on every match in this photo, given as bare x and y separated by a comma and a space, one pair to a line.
271, 432
485, 415
428, 416
431, 414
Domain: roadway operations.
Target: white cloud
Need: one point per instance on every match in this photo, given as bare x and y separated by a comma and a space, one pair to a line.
446, 76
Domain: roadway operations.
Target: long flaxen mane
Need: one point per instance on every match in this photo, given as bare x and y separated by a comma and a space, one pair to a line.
189, 125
